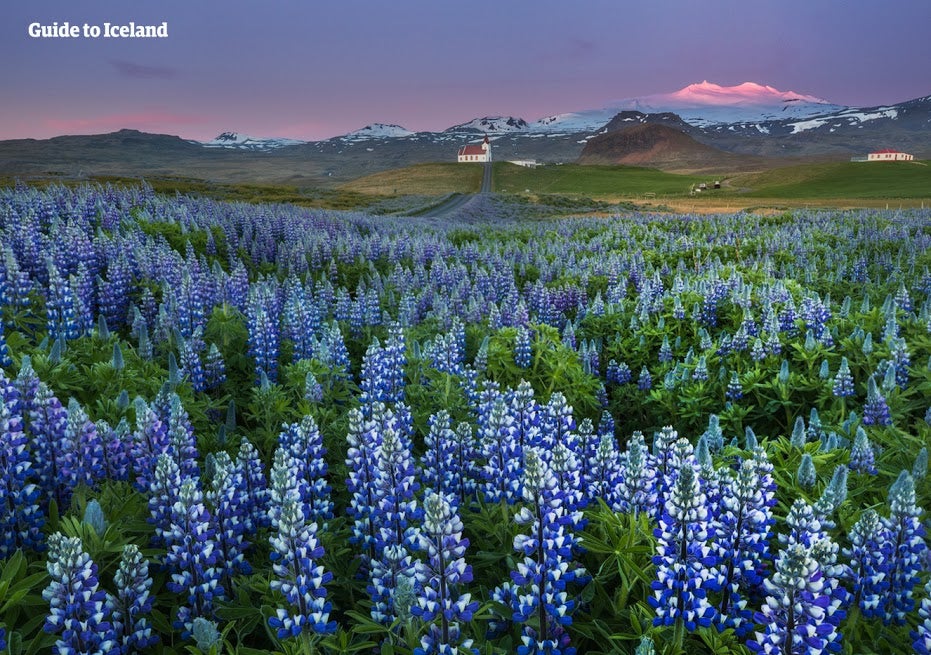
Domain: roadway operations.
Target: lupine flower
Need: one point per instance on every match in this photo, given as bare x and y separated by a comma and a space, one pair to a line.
52, 455
214, 368
298, 575
906, 535
363, 442
133, 602
542, 603
21, 521
742, 532
181, 440
843, 381
799, 434
921, 636
875, 411
149, 440
78, 609
225, 500
305, 444
522, 352
869, 554
685, 563
395, 518
862, 458
734, 387
253, 488
440, 577
796, 611
192, 558
81, 435
920, 466
313, 391
834, 494
501, 472
645, 381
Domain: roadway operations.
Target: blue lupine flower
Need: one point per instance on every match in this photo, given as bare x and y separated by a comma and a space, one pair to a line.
115, 448
439, 602
225, 500
862, 457
51, 453
795, 615
921, 636
438, 463
78, 609
920, 465
81, 434
645, 381
542, 600
192, 557
313, 390
163, 492
685, 561
149, 440
831, 498
305, 444
363, 442
843, 381
869, 555
284, 481
214, 368
182, 443
500, 450
21, 521
133, 602
906, 535
742, 531
875, 411
734, 387
395, 517
299, 577
522, 352
253, 488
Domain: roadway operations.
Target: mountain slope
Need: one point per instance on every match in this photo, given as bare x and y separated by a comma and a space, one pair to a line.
659, 146
244, 142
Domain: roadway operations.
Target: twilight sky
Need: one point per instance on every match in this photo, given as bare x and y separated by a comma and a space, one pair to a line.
314, 69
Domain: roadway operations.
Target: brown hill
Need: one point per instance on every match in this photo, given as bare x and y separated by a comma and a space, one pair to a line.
663, 147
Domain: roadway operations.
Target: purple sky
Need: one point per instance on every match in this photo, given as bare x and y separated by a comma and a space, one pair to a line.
314, 69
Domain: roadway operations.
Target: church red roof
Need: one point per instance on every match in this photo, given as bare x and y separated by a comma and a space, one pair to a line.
471, 150
885, 151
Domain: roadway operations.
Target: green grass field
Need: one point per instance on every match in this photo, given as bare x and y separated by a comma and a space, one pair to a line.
846, 180
420, 179
599, 182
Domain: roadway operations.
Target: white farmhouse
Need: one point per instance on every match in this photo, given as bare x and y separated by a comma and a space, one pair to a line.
889, 154
477, 153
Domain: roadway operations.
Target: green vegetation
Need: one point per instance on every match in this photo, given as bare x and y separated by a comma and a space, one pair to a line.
422, 179
841, 180
598, 182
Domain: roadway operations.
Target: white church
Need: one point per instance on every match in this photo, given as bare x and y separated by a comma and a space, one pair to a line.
479, 153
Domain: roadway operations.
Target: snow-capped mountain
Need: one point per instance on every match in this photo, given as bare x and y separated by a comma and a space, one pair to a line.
491, 125
377, 131
702, 105
243, 142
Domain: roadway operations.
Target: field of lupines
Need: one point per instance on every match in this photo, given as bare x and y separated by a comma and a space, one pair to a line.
231, 428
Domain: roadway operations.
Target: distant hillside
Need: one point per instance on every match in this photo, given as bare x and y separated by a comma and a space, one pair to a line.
660, 146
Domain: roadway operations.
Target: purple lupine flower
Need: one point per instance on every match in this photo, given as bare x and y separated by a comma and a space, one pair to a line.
299, 577
869, 555
313, 391
52, 455
645, 381
21, 521
795, 616
284, 481
61, 322
133, 602
541, 601
603, 477
253, 488
734, 389
78, 609
500, 474
191, 559
305, 444
438, 464
363, 442
906, 536
81, 434
149, 440
742, 532
182, 444
862, 457
163, 492
225, 502
875, 411
465, 465
263, 340
685, 562
214, 368
115, 449
439, 602
192, 366
395, 517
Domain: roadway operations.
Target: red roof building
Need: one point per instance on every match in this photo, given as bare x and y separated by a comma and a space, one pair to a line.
888, 154
475, 153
